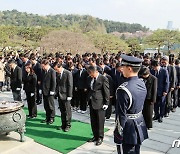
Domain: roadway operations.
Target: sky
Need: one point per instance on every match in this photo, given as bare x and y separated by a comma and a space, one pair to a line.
153, 14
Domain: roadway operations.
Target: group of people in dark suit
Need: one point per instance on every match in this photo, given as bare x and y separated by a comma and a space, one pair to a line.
98, 81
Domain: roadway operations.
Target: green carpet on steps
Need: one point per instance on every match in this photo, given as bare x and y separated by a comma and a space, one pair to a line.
58, 140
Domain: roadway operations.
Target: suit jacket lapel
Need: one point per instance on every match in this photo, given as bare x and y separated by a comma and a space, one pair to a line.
97, 81
62, 77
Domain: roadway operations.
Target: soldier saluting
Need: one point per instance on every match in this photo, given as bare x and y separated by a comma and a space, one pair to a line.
130, 130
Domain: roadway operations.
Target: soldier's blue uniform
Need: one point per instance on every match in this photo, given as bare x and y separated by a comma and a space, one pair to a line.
129, 119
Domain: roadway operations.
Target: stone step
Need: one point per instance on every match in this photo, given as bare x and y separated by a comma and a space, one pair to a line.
10, 142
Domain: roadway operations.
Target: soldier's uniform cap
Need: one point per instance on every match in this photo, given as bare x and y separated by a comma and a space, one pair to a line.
131, 61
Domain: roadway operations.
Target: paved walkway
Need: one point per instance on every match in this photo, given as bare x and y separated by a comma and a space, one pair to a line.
160, 139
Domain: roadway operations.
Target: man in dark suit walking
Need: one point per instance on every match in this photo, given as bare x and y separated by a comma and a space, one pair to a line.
98, 96
172, 80
64, 89
162, 89
177, 89
48, 91
16, 80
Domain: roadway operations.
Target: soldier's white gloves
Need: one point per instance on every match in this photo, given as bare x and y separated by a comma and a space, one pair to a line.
69, 98
18, 89
52, 93
105, 107
32, 94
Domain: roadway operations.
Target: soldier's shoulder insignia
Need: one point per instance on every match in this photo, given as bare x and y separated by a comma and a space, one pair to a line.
124, 84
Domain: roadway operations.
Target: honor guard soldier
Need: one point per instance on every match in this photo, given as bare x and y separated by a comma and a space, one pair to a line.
130, 128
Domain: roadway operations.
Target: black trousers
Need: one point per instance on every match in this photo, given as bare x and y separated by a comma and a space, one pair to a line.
128, 149
175, 98
148, 113
109, 109
168, 106
66, 114
74, 101
39, 96
97, 118
49, 107
32, 107
159, 106
17, 95
82, 101
178, 97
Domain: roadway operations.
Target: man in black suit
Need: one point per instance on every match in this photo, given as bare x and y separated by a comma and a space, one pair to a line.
81, 87
38, 71
98, 96
118, 79
71, 67
111, 90
25, 60
162, 89
104, 67
48, 91
64, 90
16, 80
151, 86
172, 80
177, 89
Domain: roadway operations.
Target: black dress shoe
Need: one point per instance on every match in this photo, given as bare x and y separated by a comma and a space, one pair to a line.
166, 115
28, 116
67, 129
160, 120
155, 118
99, 142
60, 128
38, 103
51, 121
173, 110
31, 117
44, 121
92, 140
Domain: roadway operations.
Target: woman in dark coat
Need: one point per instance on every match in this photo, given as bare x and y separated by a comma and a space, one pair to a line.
151, 85
30, 82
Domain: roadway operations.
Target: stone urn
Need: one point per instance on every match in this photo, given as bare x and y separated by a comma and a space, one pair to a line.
12, 118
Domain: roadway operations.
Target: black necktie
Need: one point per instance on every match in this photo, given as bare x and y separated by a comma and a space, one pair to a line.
94, 83
156, 73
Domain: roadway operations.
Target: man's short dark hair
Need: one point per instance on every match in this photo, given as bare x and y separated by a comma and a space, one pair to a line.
32, 56
12, 61
92, 59
60, 56
92, 69
45, 62
155, 63
57, 64
177, 61
144, 71
118, 65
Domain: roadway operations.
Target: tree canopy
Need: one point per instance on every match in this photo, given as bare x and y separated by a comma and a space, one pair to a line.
86, 23
163, 37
